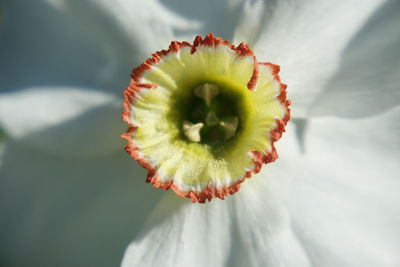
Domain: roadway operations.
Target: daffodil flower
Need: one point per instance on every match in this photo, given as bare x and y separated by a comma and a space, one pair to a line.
204, 116
70, 196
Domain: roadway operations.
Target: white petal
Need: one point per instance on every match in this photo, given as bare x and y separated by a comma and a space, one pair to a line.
306, 38
265, 234
43, 46
219, 17
57, 212
250, 228
343, 192
181, 233
368, 80
148, 25
250, 22
66, 121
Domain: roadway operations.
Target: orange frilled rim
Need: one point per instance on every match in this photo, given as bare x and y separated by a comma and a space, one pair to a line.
257, 157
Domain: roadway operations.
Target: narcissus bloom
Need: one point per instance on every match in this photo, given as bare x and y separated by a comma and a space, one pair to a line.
71, 196
204, 116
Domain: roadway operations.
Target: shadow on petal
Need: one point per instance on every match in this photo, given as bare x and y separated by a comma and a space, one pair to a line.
42, 45
263, 234
342, 194
209, 13
180, 233
95, 133
367, 82
58, 212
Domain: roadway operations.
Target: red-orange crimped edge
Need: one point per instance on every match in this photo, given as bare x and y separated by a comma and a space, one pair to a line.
257, 157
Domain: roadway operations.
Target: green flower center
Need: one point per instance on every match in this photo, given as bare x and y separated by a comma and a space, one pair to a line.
210, 115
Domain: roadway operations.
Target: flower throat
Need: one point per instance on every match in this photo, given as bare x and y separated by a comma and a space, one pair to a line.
211, 116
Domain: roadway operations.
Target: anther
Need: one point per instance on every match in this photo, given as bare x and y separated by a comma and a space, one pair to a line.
192, 131
206, 91
230, 127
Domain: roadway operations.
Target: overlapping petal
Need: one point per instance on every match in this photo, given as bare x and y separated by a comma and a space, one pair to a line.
250, 229
187, 236
42, 46
58, 212
307, 38
147, 25
66, 121
342, 193
265, 234
219, 17
368, 80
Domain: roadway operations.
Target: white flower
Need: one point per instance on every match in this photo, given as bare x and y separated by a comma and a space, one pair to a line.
70, 196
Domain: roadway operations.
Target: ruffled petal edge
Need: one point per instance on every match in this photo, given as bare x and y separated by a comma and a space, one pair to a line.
258, 158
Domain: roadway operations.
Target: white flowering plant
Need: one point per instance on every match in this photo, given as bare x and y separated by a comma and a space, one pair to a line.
71, 196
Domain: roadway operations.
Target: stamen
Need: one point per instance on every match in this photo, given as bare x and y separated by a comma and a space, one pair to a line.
206, 91
230, 127
212, 119
192, 131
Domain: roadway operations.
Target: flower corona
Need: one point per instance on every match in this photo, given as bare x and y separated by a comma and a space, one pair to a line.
204, 116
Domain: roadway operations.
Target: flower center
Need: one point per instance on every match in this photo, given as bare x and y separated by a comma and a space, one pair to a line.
212, 116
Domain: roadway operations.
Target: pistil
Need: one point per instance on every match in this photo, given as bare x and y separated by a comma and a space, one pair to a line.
212, 119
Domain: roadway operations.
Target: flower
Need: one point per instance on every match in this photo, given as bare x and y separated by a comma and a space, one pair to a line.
204, 116
70, 196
